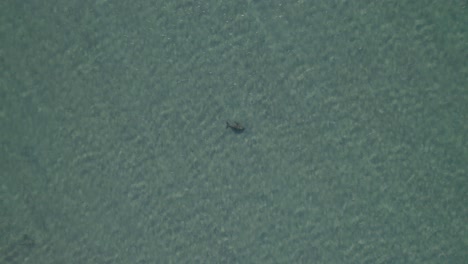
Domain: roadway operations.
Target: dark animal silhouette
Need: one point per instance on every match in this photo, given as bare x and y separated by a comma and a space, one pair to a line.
235, 126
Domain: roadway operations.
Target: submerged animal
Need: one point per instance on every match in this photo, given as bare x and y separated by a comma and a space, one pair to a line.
235, 126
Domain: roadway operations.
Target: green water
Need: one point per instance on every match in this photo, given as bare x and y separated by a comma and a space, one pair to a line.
114, 147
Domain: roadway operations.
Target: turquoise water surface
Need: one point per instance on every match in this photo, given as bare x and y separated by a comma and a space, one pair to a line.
115, 148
